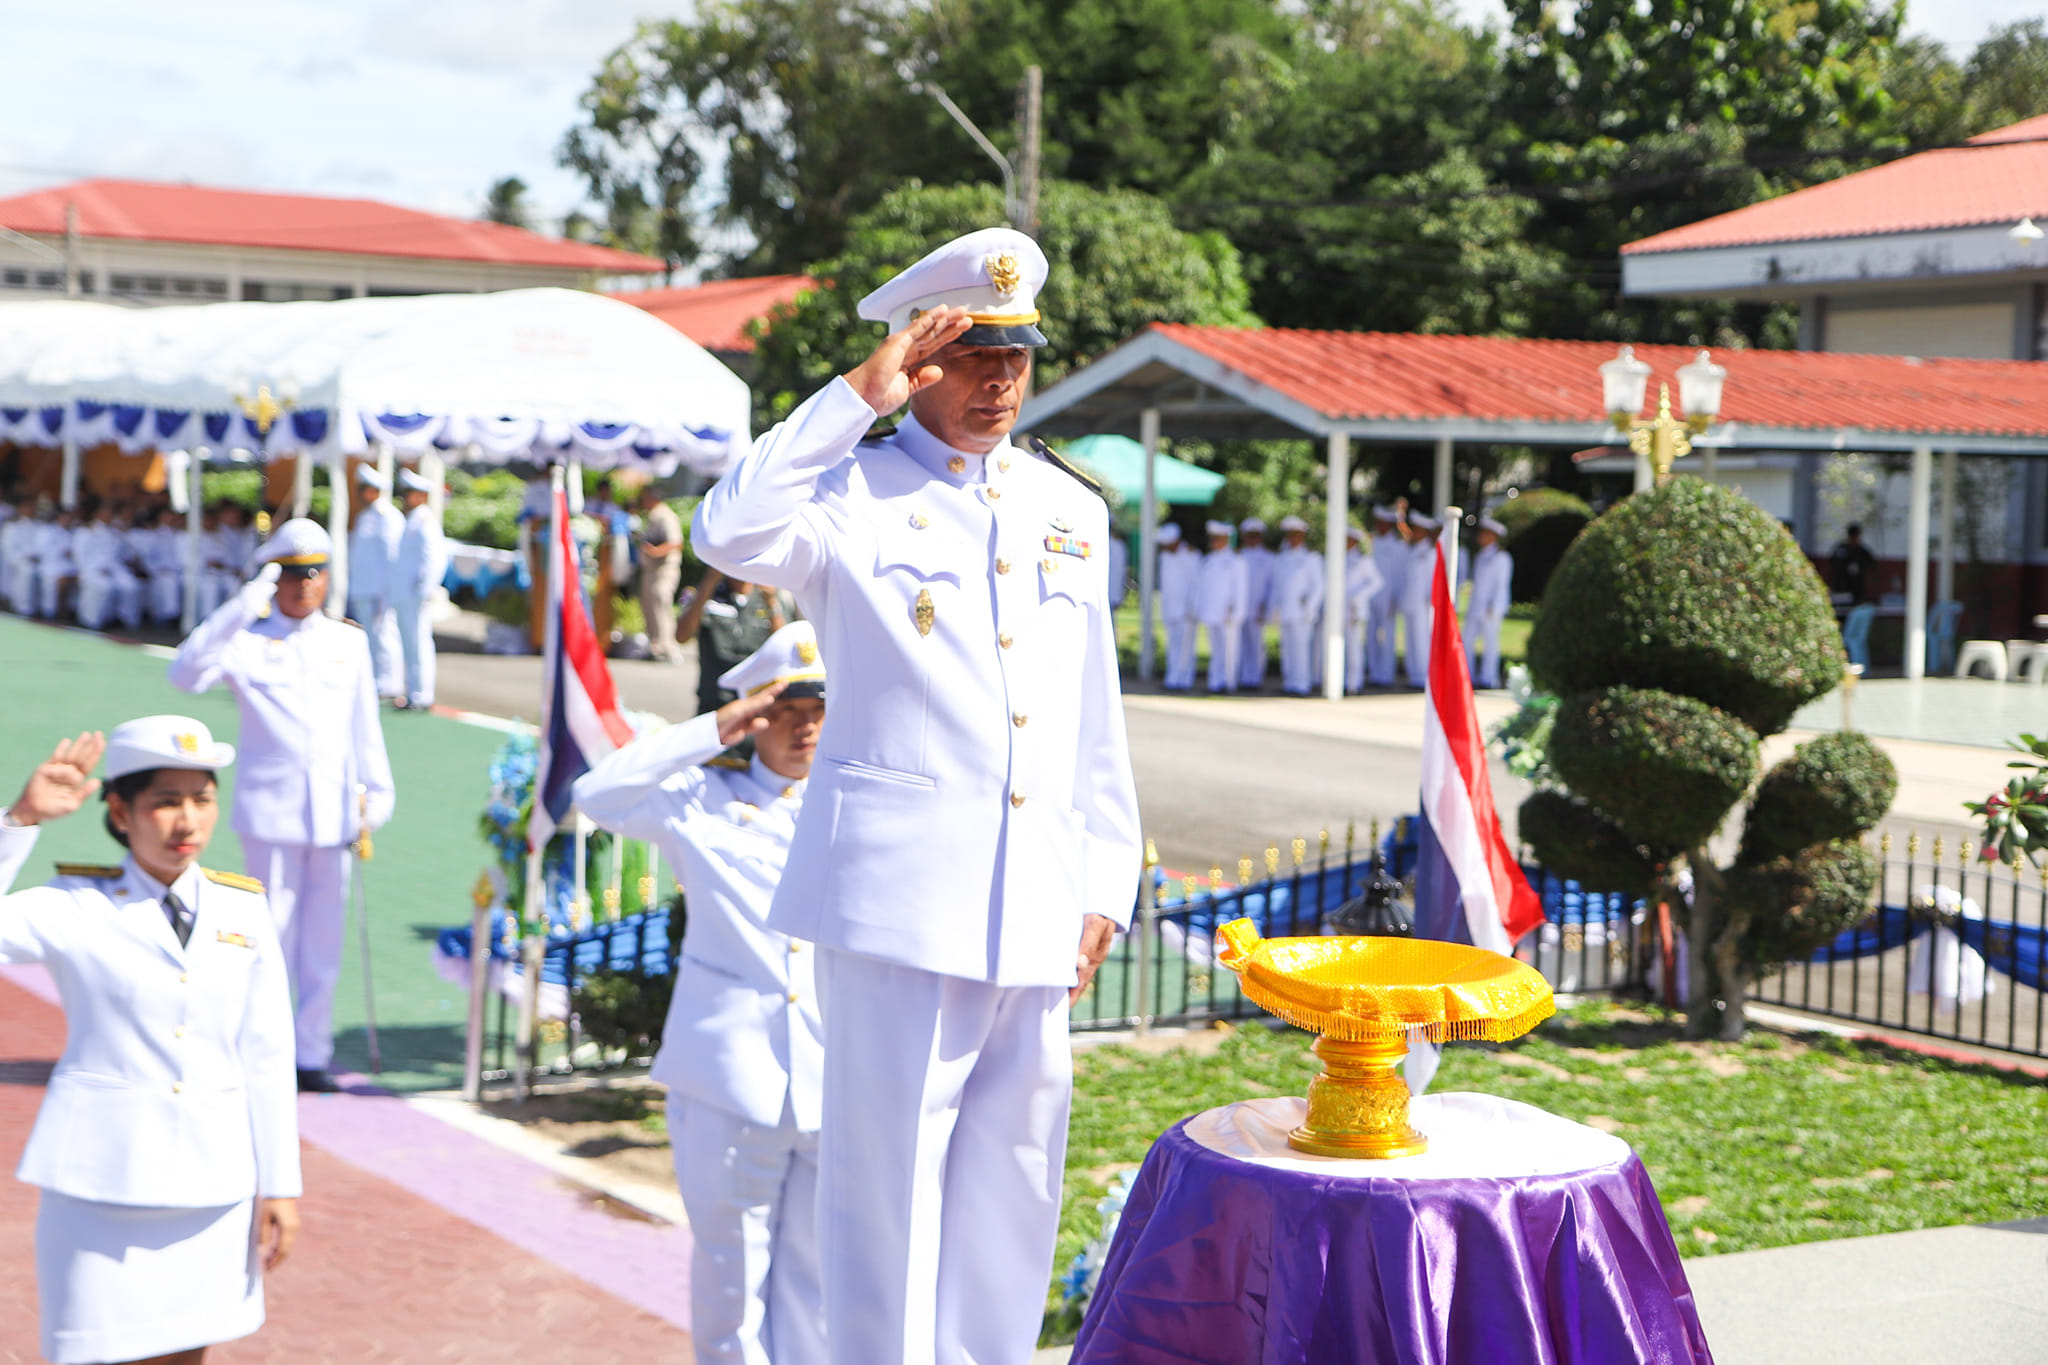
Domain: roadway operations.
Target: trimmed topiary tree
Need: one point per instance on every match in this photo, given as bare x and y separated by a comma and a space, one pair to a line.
1680, 630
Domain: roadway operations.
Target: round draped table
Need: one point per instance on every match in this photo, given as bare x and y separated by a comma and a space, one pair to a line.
1517, 1237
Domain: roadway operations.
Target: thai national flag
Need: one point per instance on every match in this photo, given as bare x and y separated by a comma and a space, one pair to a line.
1468, 886
579, 720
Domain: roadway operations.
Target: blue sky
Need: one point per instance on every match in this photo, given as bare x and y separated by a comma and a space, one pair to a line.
420, 102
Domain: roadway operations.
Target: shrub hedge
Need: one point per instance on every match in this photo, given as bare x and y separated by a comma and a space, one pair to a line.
1576, 841
1833, 787
1798, 903
1666, 767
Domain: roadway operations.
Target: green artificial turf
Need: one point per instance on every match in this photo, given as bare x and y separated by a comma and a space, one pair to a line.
1766, 1142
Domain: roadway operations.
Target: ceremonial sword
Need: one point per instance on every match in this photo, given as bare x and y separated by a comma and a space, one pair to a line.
363, 852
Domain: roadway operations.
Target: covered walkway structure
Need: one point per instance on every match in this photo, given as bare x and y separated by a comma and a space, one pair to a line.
1220, 383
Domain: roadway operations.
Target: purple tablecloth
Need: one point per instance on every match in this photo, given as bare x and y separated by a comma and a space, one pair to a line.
1220, 1260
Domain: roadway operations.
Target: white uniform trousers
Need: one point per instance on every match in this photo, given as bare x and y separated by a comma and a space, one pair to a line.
17, 585
1354, 655
941, 1162
416, 643
1180, 654
308, 889
109, 591
1379, 640
1223, 641
1415, 644
380, 627
1251, 654
752, 1197
1482, 637
1297, 656
49, 590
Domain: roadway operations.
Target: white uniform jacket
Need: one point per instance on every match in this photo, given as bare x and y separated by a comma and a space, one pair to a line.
422, 558
1220, 589
1362, 583
1258, 580
176, 1087
373, 551
1177, 569
310, 730
1390, 553
1418, 584
972, 796
1492, 572
1298, 586
743, 1032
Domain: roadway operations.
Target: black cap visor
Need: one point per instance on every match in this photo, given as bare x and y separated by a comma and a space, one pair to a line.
803, 688
1013, 335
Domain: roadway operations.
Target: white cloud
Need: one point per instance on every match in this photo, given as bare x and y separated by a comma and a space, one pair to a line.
544, 40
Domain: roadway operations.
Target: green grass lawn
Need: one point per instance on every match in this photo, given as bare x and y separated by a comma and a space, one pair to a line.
1761, 1143
1514, 642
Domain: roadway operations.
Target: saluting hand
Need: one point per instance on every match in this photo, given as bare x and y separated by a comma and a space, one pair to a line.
61, 783
901, 365
747, 716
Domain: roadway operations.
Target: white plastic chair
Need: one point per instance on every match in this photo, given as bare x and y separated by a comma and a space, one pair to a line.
2025, 661
1990, 653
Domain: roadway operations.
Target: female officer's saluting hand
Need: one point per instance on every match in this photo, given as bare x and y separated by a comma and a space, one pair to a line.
167, 1146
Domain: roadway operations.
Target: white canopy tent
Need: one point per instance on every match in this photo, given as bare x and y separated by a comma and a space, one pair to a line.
540, 375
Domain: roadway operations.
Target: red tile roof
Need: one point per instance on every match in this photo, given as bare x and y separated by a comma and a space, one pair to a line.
140, 210
1406, 377
715, 315
1999, 177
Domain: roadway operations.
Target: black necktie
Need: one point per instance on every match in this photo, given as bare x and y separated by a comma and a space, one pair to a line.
181, 918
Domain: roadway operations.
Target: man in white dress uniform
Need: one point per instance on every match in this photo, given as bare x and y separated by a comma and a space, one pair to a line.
107, 588
742, 1053
1258, 587
1361, 586
1177, 569
1220, 604
372, 558
1418, 582
314, 770
1492, 574
56, 567
1390, 555
969, 842
1296, 600
416, 572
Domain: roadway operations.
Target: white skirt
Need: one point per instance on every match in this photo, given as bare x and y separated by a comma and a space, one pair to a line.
120, 1283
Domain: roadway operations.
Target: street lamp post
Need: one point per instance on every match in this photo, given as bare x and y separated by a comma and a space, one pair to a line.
1660, 440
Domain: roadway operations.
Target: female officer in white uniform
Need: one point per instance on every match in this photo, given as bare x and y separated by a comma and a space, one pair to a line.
167, 1146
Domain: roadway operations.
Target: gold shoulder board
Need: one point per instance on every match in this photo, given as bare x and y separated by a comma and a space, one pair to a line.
234, 879
95, 870
732, 761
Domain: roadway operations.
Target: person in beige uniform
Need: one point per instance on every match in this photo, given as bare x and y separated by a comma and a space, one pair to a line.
167, 1147
661, 572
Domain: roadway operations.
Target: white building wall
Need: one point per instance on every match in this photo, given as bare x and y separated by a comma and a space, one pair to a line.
1974, 331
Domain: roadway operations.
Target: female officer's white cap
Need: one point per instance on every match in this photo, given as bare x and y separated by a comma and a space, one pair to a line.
789, 656
164, 742
995, 274
297, 543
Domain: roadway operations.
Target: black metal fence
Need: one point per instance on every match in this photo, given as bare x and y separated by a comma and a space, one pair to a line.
1955, 950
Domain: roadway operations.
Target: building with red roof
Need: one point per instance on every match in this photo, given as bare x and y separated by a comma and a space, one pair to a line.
143, 242
719, 314
1940, 253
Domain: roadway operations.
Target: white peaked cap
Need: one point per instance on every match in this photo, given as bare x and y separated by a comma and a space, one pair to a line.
298, 542
1293, 523
1353, 533
1423, 521
995, 274
1251, 524
1489, 524
164, 742
369, 476
1169, 534
411, 482
1219, 528
1386, 514
789, 656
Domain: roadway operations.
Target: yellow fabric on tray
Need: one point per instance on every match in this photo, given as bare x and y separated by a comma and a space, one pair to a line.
1359, 989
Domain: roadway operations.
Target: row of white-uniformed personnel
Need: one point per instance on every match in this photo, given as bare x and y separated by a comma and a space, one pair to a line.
1231, 594
116, 561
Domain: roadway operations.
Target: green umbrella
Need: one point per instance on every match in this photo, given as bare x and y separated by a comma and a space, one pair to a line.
1120, 462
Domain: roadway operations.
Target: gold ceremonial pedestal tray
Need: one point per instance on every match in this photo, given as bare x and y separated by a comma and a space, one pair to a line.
1366, 997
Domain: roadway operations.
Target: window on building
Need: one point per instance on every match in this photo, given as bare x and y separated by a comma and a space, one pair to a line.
18, 279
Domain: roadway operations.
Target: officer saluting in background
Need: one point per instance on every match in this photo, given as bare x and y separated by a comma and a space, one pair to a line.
969, 841
314, 770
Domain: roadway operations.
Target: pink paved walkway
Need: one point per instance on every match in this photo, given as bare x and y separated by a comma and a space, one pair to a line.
420, 1243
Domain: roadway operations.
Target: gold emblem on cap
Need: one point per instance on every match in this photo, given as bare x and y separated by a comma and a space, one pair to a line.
186, 744
1004, 273
925, 613
806, 652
